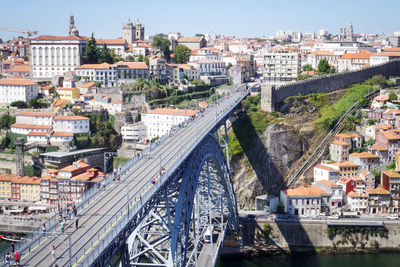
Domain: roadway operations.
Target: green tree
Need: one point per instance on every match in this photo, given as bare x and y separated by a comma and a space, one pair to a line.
90, 52
19, 104
199, 35
6, 141
147, 61
138, 117
181, 54
307, 67
6, 121
104, 55
324, 67
33, 103
130, 58
392, 96
162, 43
140, 58
229, 65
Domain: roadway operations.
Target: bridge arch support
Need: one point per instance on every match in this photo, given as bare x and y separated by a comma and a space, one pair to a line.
198, 200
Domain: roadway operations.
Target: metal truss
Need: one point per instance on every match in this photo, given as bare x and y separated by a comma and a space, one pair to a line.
198, 197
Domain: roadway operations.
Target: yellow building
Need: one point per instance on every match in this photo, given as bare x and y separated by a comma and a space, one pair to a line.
68, 93
19, 188
59, 104
5, 185
346, 168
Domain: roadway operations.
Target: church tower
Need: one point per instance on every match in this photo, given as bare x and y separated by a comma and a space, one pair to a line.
350, 32
139, 31
128, 32
72, 29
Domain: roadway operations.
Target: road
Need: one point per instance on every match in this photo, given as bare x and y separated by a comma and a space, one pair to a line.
98, 219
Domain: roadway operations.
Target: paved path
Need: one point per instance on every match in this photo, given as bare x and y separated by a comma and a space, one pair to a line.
97, 219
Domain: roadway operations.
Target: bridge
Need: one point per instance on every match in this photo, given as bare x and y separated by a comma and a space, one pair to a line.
159, 210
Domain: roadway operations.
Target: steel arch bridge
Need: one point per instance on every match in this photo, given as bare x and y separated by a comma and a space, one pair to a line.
198, 196
159, 212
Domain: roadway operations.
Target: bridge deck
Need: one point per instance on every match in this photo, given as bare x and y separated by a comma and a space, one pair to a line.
102, 216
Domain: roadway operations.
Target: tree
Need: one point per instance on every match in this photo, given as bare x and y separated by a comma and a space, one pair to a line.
307, 67
163, 44
19, 104
6, 121
199, 35
6, 141
90, 52
181, 54
392, 96
324, 67
104, 55
147, 61
140, 58
229, 65
130, 58
98, 84
33, 103
138, 117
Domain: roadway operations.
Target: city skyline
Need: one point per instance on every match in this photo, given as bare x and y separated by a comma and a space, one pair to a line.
257, 18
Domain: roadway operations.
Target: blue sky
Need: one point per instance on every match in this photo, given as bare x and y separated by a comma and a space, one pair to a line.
245, 18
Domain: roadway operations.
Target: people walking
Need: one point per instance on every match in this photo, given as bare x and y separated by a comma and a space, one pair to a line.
16, 258
76, 222
7, 259
62, 226
53, 253
12, 247
74, 210
44, 230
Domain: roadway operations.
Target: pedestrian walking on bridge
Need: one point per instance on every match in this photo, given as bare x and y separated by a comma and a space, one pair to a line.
76, 222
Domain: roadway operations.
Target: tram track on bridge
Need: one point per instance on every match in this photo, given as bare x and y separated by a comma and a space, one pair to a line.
187, 136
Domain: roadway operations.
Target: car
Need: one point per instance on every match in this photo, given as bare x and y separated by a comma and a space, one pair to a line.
393, 216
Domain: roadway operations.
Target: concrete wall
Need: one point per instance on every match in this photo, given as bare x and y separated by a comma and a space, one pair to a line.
271, 95
312, 233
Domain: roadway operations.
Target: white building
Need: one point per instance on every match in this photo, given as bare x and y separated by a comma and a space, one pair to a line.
103, 72
133, 132
161, 120
71, 124
27, 128
357, 201
209, 67
383, 57
206, 53
305, 200
17, 89
322, 172
281, 67
54, 55
52, 137
34, 118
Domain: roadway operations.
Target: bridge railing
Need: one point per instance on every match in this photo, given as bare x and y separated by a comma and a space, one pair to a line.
143, 195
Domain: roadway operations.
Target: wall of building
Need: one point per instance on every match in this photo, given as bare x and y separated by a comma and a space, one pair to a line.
272, 95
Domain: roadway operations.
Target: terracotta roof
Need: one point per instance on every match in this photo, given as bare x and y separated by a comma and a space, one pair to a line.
176, 112
321, 52
305, 191
35, 114
37, 134
380, 148
356, 194
339, 143
133, 65
116, 102
30, 126
390, 135
110, 41
16, 81
392, 173
87, 85
343, 135
382, 126
327, 168
203, 104
387, 54
377, 191
63, 134
326, 182
70, 118
393, 49
75, 166
189, 39
363, 54
59, 38
60, 102
364, 155
345, 164
381, 98
19, 68
94, 66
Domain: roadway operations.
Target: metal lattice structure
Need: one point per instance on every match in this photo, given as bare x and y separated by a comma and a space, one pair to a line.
198, 197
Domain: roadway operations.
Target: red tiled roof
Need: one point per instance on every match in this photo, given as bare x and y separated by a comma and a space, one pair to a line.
94, 66
16, 81
176, 112
35, 114
30, 126
19, 68
132, 65
70, 118
305, 191
189, 39
58, 38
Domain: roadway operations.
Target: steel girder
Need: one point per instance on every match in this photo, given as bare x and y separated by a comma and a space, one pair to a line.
198, 196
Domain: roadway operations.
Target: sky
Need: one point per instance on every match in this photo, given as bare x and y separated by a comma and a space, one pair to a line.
240, 18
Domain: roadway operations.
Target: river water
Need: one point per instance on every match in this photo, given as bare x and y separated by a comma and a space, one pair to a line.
367, 260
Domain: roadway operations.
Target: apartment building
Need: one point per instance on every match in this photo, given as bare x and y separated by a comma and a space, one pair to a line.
281, 67
17, 89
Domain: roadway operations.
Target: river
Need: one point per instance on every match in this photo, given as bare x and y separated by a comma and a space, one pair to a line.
366, 260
